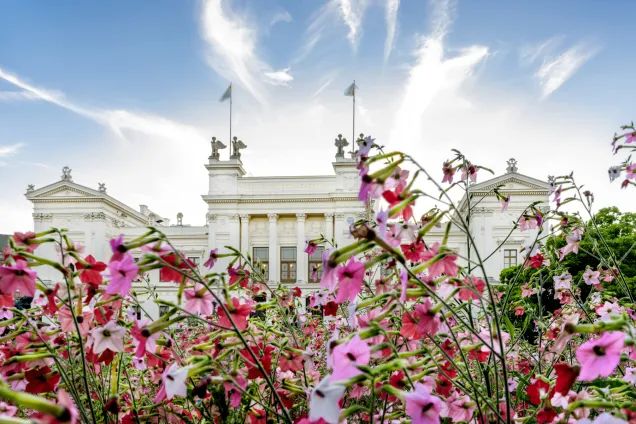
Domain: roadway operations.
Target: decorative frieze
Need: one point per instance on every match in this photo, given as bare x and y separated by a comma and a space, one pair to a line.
41, 217
95, 216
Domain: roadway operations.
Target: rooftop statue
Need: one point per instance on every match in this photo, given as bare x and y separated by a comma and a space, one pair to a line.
216, 146
340, 143
237, 145
66, 174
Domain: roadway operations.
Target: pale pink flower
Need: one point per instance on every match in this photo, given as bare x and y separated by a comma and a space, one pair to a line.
458, 408
7, 410
324, 401
17, 278
601, 356
562, 282
630, 375
607, 310
329, 278
346, 358
199, 300
591, 277
604, 418
68, 325
572, 241
350, 279
422, 407
527, 223
122, 273
110, 336
212, 258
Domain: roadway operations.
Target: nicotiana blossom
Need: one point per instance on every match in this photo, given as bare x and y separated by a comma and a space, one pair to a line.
324, 401
199, 300
562, 282
604, 418
122, 273
212, 258
110, 336
17, 277
421, 321
600, 357
346, 358
422, 407
572, 241
350, 279
591, 277
173, 382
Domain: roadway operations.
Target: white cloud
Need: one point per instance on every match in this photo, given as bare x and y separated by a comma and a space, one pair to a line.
281, 16
555, 71
232, 49
119, 121
9, 96
10, 149
281, 77
433, 75
391, 13
352, 12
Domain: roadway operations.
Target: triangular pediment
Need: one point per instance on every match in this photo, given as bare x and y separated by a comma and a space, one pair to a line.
511, 182
62, 190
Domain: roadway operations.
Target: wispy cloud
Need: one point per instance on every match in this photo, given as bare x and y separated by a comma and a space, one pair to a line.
554, 72
281, 16
232, 49
391, 13
433, 74
352, 12
118, 120
10, 96
10, 149
281, 77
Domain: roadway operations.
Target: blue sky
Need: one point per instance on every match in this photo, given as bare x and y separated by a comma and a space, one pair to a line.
127, 92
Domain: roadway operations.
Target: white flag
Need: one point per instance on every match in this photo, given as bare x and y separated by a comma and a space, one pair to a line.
351, 90
227, 94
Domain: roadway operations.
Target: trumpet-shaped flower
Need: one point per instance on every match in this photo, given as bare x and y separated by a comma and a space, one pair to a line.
350, 279
17, 278
324, 401
122, 274
422, 407
110, 336
601, 356
346, 358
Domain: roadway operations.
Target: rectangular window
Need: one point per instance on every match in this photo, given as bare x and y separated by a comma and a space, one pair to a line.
288, 264
315, 265
194, 259
261, 258
510, 257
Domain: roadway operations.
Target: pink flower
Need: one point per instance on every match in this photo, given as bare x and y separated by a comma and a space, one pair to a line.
422, 407
572, 243
311, 248
324, 401
214, 255
350, 279
122, 274
469, 171
562, 282
68, 325
631, 171
527, 223
505, 202
199, 300
630, 137
144, 340
448, 171
17, 278
458, 408
600, 357
329, 278
118, 248
404, 282
445, 265
591, 277
110, 336
346, 358
421, 321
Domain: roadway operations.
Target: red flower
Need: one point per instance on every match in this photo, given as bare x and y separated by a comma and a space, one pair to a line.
239, 313
331, 309
51, 306
41, 380
90, 273
394, 199
238, 275
546, 415
535, 389
566, 376
473, 288
535, 261
264, 355
444, 386
413, 251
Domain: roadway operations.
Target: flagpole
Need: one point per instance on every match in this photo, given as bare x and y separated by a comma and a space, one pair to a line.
231, 95
353, 138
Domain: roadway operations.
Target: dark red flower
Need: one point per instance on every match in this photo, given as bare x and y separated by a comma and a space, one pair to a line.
534, 390
566, 376
41, 380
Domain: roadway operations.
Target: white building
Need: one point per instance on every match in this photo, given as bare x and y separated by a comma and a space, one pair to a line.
270, 218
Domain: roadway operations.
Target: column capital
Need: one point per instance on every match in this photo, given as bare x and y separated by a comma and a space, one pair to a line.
234, 217
272, 217
340, 215
210, 217
329, 214
301, 216
244, 216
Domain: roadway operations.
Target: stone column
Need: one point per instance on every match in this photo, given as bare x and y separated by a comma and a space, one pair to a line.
339, 230
235, 231
245, 234
273, 247
211, 219
328, 225
302, 259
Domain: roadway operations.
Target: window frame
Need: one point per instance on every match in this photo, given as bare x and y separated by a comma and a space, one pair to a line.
292, 265
319, 251
509, 259
265, 264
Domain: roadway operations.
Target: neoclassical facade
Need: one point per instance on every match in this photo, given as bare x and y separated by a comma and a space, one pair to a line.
271, 218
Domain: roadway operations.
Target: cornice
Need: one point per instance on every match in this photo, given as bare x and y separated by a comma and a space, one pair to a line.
211, 200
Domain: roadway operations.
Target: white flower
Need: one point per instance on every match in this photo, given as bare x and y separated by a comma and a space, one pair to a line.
110, 336
174, 380
562, 282
323, 401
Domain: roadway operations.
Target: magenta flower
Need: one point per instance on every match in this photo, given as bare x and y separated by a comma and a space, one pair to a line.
118, 248
600, 357
311, 247
350, 280
346, 358
122, 273
630, 137
199, 300
421, 406
17, 278
214, 255
329, 278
